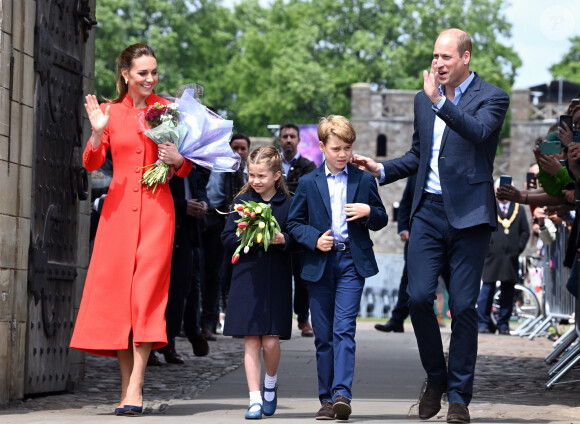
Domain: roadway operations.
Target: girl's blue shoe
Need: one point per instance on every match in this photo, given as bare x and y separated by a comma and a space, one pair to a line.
254, 415
270, 406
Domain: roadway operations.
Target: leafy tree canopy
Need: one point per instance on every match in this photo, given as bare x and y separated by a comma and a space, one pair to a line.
295, 60
569, 66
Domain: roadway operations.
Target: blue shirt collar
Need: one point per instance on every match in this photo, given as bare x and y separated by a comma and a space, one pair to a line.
462, 87
293, 159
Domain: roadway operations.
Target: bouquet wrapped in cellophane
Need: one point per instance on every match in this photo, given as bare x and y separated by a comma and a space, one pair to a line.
163, 126
199, 134
256, 224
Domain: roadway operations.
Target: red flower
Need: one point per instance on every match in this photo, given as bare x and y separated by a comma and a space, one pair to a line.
242, 225
235, 258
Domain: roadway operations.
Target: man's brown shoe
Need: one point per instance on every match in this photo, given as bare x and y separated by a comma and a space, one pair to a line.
341, 407
430, 402
458, 413
208, 334
171, 356
306, 329
325, 412
153, 360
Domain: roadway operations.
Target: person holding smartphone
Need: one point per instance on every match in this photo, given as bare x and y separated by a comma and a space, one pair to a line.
569, 126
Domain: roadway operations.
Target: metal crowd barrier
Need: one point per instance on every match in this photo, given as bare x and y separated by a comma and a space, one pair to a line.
569, 344
570, 358
558, 302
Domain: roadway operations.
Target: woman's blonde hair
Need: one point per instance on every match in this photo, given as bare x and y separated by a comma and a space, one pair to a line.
272, 158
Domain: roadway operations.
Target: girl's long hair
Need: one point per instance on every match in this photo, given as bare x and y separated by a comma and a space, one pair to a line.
272, 158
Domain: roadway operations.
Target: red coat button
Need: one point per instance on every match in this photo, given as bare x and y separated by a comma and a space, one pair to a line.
137, 170
138, 150
135, 189
134, 208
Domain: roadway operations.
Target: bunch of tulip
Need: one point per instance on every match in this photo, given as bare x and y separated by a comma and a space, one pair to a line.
255, 225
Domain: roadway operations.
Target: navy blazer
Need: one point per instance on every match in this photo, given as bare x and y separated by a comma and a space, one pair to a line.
466, 157
310, 216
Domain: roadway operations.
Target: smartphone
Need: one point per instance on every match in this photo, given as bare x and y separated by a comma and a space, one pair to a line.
550, 147
567, 119
531, 180
505, 180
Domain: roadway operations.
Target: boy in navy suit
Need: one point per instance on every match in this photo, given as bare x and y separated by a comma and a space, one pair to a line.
331, 214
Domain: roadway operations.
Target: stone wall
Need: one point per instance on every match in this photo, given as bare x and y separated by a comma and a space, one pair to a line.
17, 19
388, 113
17, 117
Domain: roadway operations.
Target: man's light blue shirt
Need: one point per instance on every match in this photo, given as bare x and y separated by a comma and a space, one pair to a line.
286, 165
337, 190
433, 182
215, 189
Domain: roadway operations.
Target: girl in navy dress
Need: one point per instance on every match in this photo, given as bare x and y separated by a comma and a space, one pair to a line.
260, 300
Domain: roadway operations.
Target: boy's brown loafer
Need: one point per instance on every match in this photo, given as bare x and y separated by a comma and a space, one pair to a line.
325, 412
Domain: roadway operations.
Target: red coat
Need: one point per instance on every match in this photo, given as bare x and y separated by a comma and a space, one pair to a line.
128, 277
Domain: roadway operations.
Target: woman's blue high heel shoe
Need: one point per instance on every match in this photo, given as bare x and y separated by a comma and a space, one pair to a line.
254, 415
129, 410
270, 406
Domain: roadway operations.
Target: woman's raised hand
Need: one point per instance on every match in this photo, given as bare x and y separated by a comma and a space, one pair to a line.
98, 119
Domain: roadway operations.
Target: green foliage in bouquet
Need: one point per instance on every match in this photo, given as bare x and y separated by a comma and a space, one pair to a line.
256, 224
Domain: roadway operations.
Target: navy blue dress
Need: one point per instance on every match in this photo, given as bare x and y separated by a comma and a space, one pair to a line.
260, 299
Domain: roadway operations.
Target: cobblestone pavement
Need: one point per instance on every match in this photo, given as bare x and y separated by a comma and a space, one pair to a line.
510, 380
508, 388
101, 387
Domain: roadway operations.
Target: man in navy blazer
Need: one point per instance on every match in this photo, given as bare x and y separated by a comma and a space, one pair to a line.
331, 214
458, 119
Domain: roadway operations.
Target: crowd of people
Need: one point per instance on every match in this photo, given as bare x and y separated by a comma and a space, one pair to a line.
161, 263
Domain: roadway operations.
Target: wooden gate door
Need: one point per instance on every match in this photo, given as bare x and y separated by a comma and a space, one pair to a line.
58, 182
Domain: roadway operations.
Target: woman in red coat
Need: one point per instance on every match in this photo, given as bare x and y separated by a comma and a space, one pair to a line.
122, 311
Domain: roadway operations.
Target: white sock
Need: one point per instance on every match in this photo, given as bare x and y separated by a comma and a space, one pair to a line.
255, 397
269, 383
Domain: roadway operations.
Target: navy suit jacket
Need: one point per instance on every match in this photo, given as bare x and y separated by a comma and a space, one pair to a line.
310, 216
466, 157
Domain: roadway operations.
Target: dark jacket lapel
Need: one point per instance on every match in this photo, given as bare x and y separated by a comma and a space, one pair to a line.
322, 185
352, 181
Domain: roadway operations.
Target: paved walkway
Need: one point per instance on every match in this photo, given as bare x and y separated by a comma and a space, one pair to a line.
509, 387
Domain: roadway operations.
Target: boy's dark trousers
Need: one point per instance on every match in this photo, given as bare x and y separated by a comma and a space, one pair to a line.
334, 306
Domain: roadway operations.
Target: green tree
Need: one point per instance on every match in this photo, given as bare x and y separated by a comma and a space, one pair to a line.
295, 60
569, 66
191, 40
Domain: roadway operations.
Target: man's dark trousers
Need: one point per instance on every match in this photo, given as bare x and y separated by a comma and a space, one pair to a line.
506, 301
401, 311
434, 242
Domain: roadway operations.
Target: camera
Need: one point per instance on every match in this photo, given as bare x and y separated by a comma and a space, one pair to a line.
550, 147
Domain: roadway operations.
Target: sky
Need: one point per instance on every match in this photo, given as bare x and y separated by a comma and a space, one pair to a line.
540, 33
